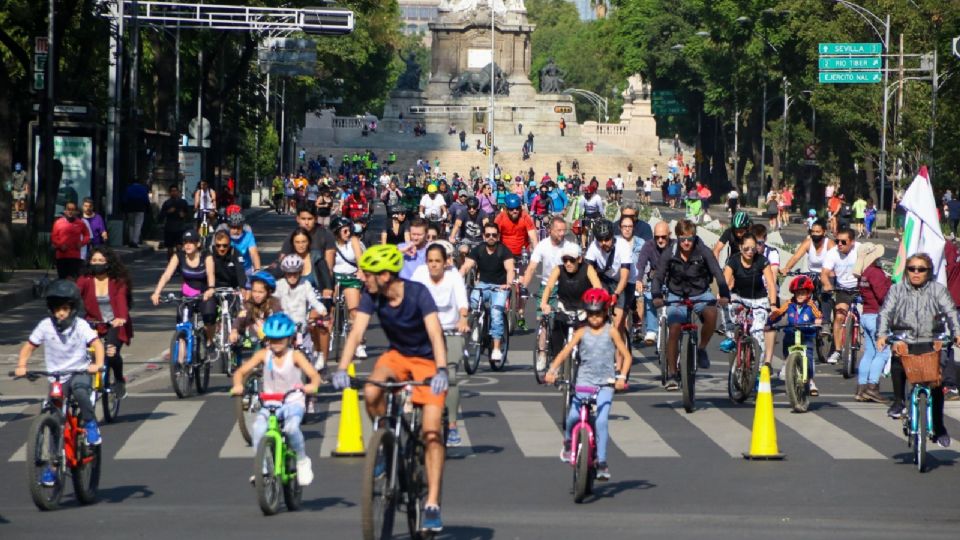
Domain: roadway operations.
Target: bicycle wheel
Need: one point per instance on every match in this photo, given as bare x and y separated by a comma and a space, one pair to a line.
245, 409
86, 475
542, 330
292, 490
109, 400
416, 490
581, 469
922, 433
180, 373
44, 449
567, 391
847, 357
473, 348
662, 352
750, 373
797, 389
688, 358
265, 477
336, 337
378, 496
735, 388
512, 312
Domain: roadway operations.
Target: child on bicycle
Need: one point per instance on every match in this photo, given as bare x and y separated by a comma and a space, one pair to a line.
283, 370
800, 310
260, 305
297, 297
599, 344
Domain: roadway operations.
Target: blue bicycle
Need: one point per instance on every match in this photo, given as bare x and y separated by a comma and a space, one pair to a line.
188, 353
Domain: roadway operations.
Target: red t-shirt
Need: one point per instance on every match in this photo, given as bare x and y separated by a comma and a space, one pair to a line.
514, 235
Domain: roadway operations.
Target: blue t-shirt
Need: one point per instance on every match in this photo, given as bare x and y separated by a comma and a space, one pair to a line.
412, 263
243, 246
404, 324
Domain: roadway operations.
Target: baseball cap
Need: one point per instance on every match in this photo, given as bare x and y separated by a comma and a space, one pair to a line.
570, 250
191, 236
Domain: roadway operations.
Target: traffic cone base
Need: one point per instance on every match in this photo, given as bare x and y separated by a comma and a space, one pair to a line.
350, 432
763, 439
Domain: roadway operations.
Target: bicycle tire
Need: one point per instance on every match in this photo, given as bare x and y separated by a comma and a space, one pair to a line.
537, 373
582, 469
245, 416
180, 373
86, 476
109, 400
922, 433
336, 333
45, 429
662, 353
265, 481
847, 357
416, 489
687, 379
201, 374
798, 391
512, 317
567, 391
750, 375
735, 388
472, 349
378, 503
292, 490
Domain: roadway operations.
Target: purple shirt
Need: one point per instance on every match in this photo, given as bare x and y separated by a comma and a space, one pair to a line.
97, 228
412, 263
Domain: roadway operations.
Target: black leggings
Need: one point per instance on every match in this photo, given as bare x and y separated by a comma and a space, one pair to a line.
899, 378
115, 362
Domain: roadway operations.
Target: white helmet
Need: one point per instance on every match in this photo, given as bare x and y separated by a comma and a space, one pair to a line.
291, 263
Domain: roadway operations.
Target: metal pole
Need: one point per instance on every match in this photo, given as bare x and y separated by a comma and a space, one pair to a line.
736, 145
199, 132
491, 109
786, 142
133, 117
933, 115
46, 139
176, 108
113, 111
883, 129
763, 138
283, 119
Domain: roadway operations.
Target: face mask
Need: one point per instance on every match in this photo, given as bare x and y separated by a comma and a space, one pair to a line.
236, 236
99, 268
816, 238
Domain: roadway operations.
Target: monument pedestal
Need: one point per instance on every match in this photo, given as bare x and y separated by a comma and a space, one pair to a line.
401, 101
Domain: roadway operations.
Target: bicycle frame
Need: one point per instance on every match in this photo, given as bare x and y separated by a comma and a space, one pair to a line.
910, 421
281, 451
585, 423
56, 403
799, 347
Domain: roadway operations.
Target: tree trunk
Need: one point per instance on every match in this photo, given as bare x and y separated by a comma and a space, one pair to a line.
871, 174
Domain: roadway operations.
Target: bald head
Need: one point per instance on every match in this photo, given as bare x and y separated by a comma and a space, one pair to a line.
662, 228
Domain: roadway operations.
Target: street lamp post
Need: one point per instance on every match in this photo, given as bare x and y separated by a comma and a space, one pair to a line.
493, 80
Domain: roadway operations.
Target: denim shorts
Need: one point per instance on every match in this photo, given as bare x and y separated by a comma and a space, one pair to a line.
677, 313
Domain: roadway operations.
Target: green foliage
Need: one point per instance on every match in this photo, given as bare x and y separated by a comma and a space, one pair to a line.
258, 154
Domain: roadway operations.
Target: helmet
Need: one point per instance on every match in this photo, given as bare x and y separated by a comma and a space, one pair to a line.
267, 279
235, 220
596, 300
741, 220
59, 292
291, 264
801, 283
512, 201
340, 222
812, 213
447, 246
381, 258
603, 230
532, 183
279, 326
233, 209
577, 227
590, 189
432, 188
507, 177
473, 202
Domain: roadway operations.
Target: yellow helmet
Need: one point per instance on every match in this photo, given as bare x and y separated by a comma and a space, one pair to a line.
380, 258
432, 188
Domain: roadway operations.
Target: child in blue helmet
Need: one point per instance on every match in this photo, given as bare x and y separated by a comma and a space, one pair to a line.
283, 371
811, 218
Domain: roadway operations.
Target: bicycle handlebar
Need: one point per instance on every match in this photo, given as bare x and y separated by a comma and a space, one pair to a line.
265, 397
36, 374
748, 306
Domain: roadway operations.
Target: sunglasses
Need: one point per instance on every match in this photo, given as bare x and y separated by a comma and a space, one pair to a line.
569, 259
843, 242
662, 237
685, 238
486, 235
918, 269
222, 246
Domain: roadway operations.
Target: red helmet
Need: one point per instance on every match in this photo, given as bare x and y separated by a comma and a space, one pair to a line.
233, 209
590, 189
577, 228
596, 300
801, 283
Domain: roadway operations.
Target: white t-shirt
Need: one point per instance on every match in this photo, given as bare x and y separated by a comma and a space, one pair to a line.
842, 266
653, 171
647, 185
593, 205
772, 254
623, 255
345, 260
547, 254
450, 294
432, 207
66, 351
618, 181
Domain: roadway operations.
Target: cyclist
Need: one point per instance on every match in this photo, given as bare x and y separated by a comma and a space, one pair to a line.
432, 206
592, 206
686, 271
600, 345
409, 318
467, 231
297, 297
283, 370
199, 278
355, 205
495, 271
558, 199
259, 305
415, 250
395, 231
205, 203
321, 239
243, 242
627, 225
838, 263
732, 236
772, 254
227, 267
450, 294
540, 204
646, 264
800, 310
106, 293
349, 248
612, 258
517, 232
752, 281
572, 279
65, 338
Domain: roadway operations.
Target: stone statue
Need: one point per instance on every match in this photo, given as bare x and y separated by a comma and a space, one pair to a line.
410, 78
551, 78
477, 82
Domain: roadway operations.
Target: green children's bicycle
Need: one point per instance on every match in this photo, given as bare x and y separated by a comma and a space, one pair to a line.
275, 468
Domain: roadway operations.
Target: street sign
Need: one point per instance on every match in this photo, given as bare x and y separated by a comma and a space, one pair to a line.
40, 45
852, 62
850, 77
851, 48
664, 103
810, 152
39, 81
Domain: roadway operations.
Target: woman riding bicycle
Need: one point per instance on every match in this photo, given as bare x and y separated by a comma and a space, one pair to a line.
753, 282
349, 248
815, 246
572, 279
199, 278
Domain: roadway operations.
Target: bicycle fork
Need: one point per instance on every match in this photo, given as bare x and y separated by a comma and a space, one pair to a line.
584, 423
914, 398
187, 330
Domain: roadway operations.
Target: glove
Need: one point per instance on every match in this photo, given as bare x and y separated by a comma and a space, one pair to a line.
341, 380
440, 382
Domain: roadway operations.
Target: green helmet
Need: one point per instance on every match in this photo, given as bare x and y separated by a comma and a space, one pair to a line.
741, 220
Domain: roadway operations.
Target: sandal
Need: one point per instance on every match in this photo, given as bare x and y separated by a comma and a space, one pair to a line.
813, 389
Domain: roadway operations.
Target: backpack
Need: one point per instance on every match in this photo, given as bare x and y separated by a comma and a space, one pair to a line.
610, 185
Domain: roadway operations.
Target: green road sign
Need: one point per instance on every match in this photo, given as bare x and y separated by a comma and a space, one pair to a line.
39, 81
850, 48
850, 77
865, 62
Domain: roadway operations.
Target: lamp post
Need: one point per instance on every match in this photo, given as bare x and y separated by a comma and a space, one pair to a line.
493, 80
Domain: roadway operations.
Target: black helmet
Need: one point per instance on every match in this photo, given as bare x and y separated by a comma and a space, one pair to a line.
339, 223
473, 202
59, 292
603, 230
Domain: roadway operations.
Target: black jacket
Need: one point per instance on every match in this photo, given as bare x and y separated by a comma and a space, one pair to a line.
688, 278
228, 271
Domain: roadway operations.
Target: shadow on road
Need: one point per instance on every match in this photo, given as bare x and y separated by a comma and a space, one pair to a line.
139, 417
327, 502
611, 489
122, 493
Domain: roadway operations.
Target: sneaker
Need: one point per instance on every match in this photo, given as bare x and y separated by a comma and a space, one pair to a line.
496, 355
603, 471
834, 358
453, 437
522, 323
813, 388
672, 385
703, 361
950, 393
650, 338
320, 362
253, 480
93, 433
304, 471
120, 389
380, 468
361, 351
782, 374
728, 345
431, 519
896, 410
48, 478
943, 440
541, 361
565, 454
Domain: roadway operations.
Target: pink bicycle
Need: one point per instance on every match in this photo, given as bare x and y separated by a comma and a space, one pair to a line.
583, 444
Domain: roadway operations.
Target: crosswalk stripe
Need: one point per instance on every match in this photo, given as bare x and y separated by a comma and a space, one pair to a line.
9, 412
952, 410
877, 416
828, 437
331, 428
532, 427
235, 446
634, 436
20, 455
159, 433
720, 427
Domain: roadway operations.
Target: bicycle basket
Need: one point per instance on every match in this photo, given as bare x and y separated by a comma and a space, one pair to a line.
920, 368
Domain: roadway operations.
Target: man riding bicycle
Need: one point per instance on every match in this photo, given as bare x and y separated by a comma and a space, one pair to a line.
495, 271
467, 231
838, 263
612, 258
517, 232
739, 226
408, 317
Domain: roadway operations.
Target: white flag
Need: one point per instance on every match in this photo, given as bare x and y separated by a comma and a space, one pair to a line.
921, 229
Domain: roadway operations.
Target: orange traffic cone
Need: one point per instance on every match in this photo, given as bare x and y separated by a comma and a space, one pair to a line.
350, 432
763, 441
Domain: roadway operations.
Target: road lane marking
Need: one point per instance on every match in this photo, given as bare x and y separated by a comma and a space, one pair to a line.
718, 426
831, 439
331, 428
20, 455
634, 436
877, 415
235, 446
952, 410
532, 427
9, 412
159, 433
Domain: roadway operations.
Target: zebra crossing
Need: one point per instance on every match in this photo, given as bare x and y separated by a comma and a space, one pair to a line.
639, 428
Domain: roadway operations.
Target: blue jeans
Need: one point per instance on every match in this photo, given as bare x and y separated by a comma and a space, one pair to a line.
291, 414
604, 401
650, 314
873, 361
677, 313
497, 298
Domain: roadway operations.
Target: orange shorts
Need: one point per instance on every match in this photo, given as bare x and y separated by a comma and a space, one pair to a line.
412, 368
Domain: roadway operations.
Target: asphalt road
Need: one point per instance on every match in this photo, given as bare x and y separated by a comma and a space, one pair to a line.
175, 468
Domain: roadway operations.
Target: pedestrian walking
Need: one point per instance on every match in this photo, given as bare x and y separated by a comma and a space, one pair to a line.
530, 141
95, 223
175, 214
773, 210
563, 125
136, 201
21, 190
519, 128
68, 236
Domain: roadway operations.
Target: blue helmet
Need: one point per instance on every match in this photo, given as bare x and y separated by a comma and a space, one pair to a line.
512, 201
267, 279
812, 213
279, 326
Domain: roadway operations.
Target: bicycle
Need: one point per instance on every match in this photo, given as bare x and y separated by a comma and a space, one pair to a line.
188, 353
517, 293
394, 467
687, 353
824, 340
569, 370
339, 325
58, 442
850, 336
275, 468
109, 397
796, 370
225, 353
583, 444
479, 341
744, 368
923, 374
